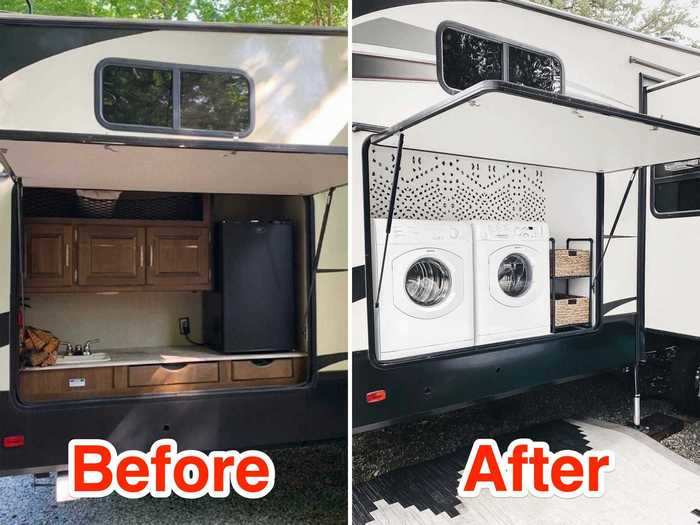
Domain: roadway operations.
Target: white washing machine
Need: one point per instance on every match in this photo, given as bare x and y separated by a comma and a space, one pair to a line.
511, 280
426, 302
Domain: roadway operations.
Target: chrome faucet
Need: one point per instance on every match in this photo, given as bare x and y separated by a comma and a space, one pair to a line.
86, 346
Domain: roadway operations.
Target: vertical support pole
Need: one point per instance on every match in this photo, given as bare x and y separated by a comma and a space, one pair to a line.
639, 340
637, 416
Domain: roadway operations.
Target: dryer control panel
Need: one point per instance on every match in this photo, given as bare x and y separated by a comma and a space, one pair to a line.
525, 231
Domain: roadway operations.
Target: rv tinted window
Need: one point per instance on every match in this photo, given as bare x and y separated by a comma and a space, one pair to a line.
677, 187
534, 69
468, 59
137, 96
215, 101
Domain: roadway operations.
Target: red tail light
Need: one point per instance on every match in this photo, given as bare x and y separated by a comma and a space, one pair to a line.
13, 441
375, 396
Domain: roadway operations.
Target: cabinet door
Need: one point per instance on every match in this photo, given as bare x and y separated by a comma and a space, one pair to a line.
48, 255
111, 256
178, 257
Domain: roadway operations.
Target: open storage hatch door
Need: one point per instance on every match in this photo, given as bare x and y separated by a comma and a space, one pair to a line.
176, 166
672, 230
499, 121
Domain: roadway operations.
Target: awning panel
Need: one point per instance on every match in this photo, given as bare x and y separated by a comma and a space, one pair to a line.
149, 168
501, 121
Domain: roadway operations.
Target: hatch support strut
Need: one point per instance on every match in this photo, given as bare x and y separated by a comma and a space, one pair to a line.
390, 217
614, 226
319, 247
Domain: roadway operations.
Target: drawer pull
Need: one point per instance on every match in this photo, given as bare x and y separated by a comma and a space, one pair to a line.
260, 363
172, 367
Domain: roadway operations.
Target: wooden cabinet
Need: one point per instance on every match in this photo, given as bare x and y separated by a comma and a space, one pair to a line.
173, 374
178, 256
111, 256
66, 383
47, 384
48, 255
107, 256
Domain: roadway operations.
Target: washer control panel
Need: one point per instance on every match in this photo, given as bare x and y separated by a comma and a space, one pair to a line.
421, 232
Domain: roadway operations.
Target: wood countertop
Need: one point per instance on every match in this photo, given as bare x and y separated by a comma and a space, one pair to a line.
163, 355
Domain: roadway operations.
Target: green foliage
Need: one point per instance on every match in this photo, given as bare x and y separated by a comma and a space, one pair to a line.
294, 12
669, 18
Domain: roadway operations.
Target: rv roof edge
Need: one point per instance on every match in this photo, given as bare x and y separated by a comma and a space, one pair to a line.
43, 20
504, 121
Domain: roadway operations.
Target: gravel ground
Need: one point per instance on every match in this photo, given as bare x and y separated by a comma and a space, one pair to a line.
605, 397
310, 488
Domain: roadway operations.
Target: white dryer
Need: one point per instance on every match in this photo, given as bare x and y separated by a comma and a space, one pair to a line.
426, 302
511, 280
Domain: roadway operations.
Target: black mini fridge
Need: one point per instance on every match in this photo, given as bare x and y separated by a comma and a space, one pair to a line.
252, 306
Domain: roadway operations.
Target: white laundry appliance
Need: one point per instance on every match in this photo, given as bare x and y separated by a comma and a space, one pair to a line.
511, 280
426, 301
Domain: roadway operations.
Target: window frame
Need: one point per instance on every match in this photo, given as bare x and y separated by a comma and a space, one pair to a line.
687, 174
505, 42
176, 70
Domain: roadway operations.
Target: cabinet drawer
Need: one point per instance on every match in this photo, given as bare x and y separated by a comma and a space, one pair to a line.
175, 374
66, 383
262, 369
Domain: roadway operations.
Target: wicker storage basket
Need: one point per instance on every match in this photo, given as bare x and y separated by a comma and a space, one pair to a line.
571, 263
571, 310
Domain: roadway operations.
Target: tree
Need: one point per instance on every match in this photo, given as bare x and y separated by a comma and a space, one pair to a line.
668, 19
294, 12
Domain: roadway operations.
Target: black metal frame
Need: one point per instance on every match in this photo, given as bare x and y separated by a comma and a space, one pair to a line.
567, 280
491, 37
177, 70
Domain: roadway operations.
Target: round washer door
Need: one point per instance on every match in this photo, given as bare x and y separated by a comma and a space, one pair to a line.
515, 277
427, 283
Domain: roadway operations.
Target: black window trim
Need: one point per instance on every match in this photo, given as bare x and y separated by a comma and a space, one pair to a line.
177, 70
687, 174
491, 37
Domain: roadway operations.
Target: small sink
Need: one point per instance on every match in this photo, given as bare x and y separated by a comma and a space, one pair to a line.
95, 357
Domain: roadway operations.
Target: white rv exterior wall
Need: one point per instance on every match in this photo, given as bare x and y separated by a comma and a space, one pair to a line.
332, 287
300, 83
6, 186
671, 243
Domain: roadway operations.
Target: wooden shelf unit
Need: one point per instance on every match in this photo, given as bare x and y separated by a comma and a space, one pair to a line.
567, 280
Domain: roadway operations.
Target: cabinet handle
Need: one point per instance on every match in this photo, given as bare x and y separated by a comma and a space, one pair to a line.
140, 256
67, 255
150, 255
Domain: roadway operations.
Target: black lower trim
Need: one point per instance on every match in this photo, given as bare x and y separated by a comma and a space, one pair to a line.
255, 419
359, 291
4, 329
433, 386
323, 361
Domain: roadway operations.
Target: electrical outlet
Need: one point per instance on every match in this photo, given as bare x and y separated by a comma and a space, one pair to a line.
184, 325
